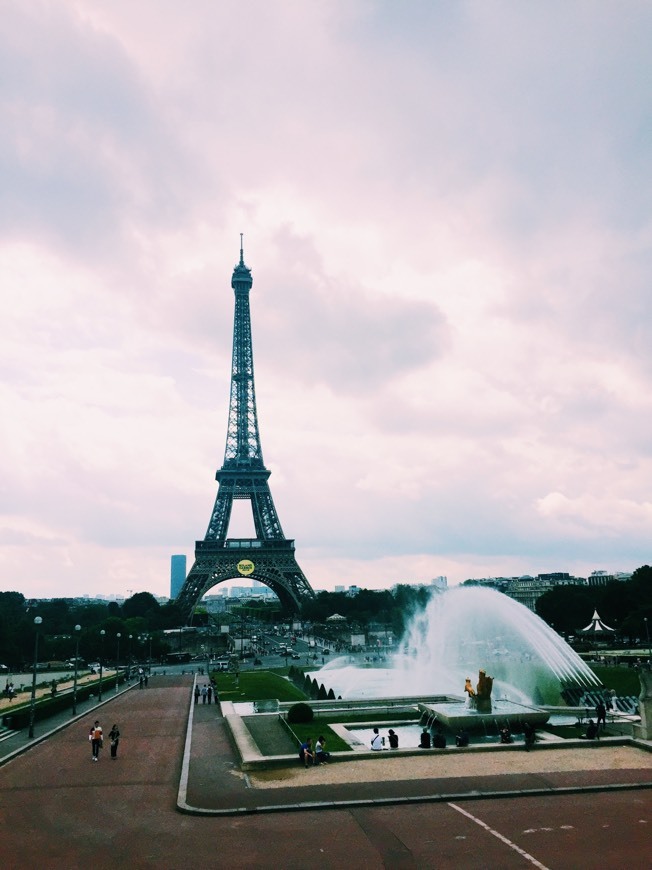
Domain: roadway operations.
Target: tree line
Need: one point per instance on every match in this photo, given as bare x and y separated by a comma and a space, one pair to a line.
138, 619
623, 605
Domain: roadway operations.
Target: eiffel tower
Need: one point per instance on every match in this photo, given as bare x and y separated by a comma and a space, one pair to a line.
269, 557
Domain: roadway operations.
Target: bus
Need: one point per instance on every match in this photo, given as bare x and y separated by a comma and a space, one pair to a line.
177, 658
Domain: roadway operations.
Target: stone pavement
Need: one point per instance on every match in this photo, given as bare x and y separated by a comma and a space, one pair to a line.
59, 810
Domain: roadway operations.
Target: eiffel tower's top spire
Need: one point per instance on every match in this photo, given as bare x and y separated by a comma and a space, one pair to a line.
241, 280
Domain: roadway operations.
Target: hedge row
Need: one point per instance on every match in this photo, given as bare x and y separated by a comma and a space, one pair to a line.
18, 717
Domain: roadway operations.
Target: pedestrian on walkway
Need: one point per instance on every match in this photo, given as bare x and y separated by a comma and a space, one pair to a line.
114, 737
96, 737
204, 693
196, 693
209, 694
140, 682
146, 680
601, 714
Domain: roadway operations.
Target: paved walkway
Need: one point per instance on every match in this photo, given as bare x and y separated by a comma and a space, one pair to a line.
213, 783
59, 810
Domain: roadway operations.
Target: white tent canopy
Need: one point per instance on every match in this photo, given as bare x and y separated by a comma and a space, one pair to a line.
597, 626
336, 617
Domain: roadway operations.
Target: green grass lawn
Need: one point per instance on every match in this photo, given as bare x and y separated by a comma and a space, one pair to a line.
334, 742
256, 686
624, 680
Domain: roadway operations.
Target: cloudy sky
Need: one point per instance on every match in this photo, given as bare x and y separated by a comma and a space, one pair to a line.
447, 213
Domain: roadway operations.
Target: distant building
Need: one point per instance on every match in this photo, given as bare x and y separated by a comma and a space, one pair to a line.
177, 575
440, 582
527, 590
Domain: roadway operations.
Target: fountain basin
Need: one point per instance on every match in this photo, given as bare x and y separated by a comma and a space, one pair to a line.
455, 715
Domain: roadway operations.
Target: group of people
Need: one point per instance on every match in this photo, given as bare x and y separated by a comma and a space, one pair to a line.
317, 755
434, 741
205, 693
96, 738
378, 742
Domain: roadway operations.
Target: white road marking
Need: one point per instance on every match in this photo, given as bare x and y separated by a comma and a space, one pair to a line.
503, 839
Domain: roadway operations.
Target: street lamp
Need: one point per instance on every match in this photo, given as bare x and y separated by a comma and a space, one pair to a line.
649, 649
149, 661
37, 622
74, 685
117, 663
129, 663
102, 633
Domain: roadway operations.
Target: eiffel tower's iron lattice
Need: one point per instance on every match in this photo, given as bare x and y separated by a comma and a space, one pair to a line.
269, 557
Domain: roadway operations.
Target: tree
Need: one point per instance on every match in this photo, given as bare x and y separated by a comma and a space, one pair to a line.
141, 604
568, 608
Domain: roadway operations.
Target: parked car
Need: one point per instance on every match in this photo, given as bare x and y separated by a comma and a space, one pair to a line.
4, 669
296, 655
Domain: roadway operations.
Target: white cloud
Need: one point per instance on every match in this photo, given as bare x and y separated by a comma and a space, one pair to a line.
447, 221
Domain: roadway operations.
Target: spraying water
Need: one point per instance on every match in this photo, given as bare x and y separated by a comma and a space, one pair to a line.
461, 631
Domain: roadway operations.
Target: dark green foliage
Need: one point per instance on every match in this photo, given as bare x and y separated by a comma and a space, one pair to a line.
331, 695
623, 605
300, 713
322, 694
392, 609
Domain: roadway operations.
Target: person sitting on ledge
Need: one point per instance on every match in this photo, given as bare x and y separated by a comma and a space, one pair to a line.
505, 735
305, 752
321, 755
425, 739
462, 738
376, 741
439, 740
591, 731
393, 739
529, 735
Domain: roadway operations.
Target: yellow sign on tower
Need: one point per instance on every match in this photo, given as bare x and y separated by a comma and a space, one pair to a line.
245, 566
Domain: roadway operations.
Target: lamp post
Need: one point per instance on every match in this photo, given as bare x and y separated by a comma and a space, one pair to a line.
74, 685
131, 637
647, 632
149, 660
102, 633
117, 663
37, 621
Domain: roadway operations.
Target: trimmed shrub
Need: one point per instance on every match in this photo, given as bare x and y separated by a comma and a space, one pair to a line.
300, 713
321, 695
331, 695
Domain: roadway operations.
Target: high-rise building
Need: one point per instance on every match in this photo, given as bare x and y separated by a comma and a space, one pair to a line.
177, 575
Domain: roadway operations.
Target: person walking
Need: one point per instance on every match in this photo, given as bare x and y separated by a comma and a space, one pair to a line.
204, 693
209, 694
196, 693
114, 737
96, 736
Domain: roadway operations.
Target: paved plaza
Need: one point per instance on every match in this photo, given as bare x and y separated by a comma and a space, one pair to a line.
579, 808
